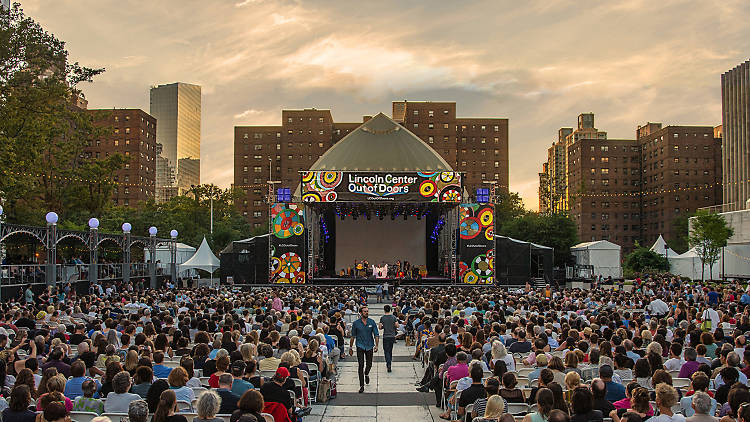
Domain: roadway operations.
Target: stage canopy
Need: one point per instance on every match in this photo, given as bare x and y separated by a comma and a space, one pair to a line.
381, 144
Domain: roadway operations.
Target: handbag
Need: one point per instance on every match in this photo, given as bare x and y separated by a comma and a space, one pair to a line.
706, 324
324, 391
333, 391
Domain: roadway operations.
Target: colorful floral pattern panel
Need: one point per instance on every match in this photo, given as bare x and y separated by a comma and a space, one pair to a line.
476, 244
287, 243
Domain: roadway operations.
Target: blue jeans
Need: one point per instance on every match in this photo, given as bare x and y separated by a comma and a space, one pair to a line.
388, 350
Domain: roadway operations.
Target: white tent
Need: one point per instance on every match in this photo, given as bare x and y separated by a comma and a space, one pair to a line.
203, 259
602, 254
163, 258
685, 265
689, 265
660, 247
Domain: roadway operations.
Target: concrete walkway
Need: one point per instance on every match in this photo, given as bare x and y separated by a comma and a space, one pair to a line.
388, 397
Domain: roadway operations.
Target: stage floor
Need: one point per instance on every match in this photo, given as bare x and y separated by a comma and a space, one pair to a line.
376, 281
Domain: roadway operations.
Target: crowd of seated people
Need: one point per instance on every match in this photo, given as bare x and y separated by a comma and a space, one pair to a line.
662, 350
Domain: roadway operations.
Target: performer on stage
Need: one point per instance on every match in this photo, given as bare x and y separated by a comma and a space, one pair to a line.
366, 334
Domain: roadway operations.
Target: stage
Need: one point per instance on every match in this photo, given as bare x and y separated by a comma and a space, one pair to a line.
360, 281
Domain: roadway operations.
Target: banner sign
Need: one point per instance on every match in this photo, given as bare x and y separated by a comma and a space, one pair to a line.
287, 243
476, 244
332, 186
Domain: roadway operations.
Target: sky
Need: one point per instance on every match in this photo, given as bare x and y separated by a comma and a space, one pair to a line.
537, 63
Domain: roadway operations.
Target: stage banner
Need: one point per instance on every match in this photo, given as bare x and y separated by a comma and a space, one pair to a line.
332, 186
287, 243
476, 244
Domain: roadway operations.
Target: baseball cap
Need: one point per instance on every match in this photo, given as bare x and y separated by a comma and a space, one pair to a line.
282, 372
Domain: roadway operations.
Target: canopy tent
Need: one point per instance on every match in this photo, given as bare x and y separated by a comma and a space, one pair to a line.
660, 247
246, 261
517, 262
163, 258
603, 255
203, 259
687, 264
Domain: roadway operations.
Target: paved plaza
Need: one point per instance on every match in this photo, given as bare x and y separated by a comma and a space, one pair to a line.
389, 397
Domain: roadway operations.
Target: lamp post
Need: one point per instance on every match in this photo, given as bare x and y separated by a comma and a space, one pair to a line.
51, 273
173, 256
93, 251
126, 227
152, 255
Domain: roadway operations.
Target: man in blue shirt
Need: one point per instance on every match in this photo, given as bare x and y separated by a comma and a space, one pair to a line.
615, 391
365, 332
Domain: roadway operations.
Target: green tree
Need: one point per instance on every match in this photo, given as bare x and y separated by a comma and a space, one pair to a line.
708, 235
643, 259
42, 134
554, 230
189, 214
508, 205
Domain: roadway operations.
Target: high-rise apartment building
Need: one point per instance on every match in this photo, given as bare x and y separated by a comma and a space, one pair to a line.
131, 133
177, 108
735, 116
478, 147
625, 190
680, 172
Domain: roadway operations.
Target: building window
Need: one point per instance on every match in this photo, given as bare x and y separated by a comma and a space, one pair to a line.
431, 113
446, 126
257, 169
416, 112
497, 128
605, 159
416, 125
497, 164
431, 139
430, 126
605, 171
244, 168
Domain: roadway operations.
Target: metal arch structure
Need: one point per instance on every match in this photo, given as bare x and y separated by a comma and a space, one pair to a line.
50, 237
8, 230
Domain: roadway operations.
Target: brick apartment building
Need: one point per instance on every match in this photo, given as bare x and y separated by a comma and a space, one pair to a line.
628, 190
476, 146
682, 172
133, 135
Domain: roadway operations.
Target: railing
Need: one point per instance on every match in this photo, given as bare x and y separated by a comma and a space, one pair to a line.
715, 209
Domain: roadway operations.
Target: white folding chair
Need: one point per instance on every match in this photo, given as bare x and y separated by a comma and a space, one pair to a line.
82, 416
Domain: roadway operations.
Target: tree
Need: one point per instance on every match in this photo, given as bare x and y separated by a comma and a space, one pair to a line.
189, 214
708, 235
508, 205
555, 230
42, 134
643, 259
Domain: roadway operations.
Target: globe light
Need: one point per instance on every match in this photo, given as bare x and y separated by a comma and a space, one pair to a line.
152, 231
1, 210
126, 227
93, 223
173, 233
51, 217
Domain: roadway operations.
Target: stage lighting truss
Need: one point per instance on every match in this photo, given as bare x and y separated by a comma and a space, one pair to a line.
368, 211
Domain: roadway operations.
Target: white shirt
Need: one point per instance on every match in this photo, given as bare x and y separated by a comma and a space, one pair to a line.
674, 364
713, 315
658, 307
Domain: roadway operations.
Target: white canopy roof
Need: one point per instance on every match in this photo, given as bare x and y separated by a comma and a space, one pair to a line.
660, 246
599, 244
203, 259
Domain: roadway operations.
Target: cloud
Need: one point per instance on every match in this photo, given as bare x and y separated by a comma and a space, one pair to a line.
537, 63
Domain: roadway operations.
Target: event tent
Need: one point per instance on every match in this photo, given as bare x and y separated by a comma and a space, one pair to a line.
603, 255
687, 264
203, 259
163, 258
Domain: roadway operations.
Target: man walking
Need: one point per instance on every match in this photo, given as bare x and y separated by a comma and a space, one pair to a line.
365, 332
388, 325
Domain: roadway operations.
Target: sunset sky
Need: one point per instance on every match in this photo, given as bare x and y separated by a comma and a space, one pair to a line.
538, 63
